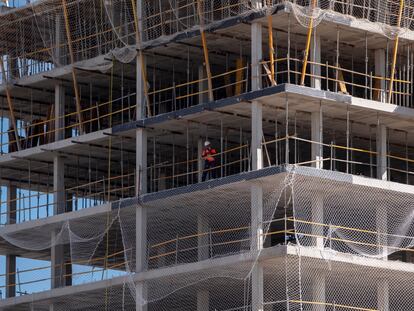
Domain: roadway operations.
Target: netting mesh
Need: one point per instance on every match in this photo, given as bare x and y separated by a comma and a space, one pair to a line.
320, 243
35, 39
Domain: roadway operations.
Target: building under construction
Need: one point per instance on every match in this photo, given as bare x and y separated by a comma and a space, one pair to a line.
107, 202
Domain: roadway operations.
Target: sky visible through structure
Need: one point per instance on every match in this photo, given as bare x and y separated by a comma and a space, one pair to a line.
27, 206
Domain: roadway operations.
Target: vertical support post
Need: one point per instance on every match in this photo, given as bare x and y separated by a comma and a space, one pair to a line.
256, 245
256, 42
257, 133
383, 298
257, 129
317, 138
394, 58
202, 86
203, 296
380, 69
10, 104
318, 292
317, 220
59, 112
11, 259
203, 239
141, 256
141, 162
316, 58
382, 230
271, 48
142, 97
308, 43
72, 62
11, 204
203, 300
60, 270
257, 163
205, 50
200, 160
381, 151
142, 83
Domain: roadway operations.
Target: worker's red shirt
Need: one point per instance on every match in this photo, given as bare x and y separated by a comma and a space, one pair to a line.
208, 154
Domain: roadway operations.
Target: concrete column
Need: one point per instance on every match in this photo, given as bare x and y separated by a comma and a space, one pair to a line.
382, 229
382, 152
11, 204
317, 138
57, 261
256, 245
257, 133
203, 240
141, 256
141, 294
203, 300
59, 185
380, 71
318, 291
141, 161
317, 219
141, 134
383, 298
202, 85
315, 56
257, 287
200, 161
141, 178
257, 56
256, 217
58, 251
11, 259
59, 112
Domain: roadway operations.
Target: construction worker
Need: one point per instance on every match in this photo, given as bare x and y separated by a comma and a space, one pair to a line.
209, 161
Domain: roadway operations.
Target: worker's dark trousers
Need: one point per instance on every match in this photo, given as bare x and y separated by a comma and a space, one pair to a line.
209, 171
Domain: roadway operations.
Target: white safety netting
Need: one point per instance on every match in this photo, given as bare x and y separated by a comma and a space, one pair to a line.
44, 34
323, 241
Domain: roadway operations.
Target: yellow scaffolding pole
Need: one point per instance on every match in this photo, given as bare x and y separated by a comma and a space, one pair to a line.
205, 51
141, 57
72, 61
308, 43
10, 104
271, 47
394, 59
